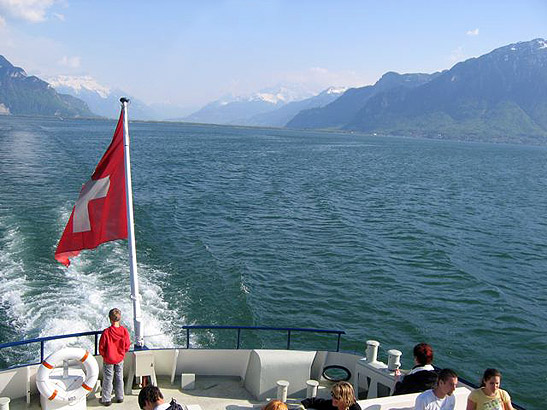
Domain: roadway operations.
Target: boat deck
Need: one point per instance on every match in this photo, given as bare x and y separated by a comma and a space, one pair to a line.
228, 393
210, 393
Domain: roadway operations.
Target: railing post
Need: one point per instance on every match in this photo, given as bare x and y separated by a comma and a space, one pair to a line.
96, 344
238, 337
338, 344
289, 339
188, 338
42, 351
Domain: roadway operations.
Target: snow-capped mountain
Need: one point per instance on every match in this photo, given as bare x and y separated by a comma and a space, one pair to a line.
281, 116
240, 110
235, 112
101, 100
79, 84
283, 94
21, 94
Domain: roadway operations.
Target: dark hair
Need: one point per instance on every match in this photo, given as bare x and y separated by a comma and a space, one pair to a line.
150, 394
488, 374
423, 353
446, 374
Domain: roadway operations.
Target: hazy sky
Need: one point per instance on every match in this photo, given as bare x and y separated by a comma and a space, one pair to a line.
192, 52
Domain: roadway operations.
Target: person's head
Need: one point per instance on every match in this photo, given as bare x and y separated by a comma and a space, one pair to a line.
149, 397
342, 395
491, 380
115, 315
275, 405
446, 383
423, 354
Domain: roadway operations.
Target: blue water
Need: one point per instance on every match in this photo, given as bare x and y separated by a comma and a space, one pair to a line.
394, 239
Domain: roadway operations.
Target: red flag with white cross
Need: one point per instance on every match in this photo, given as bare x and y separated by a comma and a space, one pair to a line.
100, 213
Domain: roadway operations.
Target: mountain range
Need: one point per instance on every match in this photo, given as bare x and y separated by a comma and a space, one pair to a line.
29, 95
271, 108
101, 100
339, 112
500, 96
280, 116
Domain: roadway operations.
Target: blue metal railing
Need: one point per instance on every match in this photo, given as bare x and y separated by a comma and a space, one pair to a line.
43, 340
289, 331
188, 328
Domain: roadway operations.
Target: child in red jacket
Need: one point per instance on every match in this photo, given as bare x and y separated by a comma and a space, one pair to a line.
113, 345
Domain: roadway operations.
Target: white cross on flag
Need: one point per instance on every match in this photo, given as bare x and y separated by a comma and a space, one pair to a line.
100, 213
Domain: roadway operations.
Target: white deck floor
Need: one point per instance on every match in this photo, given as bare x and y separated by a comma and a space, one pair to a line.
211, 393
227, 393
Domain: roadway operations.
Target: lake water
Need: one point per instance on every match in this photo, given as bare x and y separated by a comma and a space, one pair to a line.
394, 239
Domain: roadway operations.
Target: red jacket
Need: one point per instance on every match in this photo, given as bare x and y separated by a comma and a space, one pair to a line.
114, 343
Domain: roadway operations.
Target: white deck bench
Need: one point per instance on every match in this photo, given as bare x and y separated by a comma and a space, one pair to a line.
406, 401
266, 367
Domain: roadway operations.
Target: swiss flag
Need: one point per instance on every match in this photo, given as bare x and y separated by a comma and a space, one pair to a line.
100, 213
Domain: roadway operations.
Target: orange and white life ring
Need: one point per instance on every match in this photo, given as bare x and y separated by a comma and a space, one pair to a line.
57, 392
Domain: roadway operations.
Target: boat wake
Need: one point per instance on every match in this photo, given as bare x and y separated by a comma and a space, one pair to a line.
39, 297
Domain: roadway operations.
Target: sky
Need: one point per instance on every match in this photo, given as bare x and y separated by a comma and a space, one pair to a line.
189, 53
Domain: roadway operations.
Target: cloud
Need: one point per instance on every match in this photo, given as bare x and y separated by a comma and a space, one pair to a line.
2, 22
59, 16
473, 33
29, 10
71, 62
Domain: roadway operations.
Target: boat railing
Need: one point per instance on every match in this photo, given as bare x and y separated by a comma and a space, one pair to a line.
43, 340
188, 328
238, 329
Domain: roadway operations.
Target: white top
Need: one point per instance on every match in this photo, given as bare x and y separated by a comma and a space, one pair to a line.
162, 406
420, 368
428, 401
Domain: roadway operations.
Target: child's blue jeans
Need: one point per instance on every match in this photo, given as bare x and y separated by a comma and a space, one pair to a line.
112, 374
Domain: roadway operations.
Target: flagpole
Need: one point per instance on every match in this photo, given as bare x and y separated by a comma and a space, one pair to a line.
135, 296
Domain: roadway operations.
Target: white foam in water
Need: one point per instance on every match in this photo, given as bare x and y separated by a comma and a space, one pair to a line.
12, 277
88, 297
244, 288
78, 299
13, 287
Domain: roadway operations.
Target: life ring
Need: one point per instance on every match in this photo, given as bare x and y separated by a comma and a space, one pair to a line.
55, 392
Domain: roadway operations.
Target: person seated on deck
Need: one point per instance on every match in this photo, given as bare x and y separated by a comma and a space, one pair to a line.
343, 398
275, 405
489, 395
150, 398
422, 376
441, 396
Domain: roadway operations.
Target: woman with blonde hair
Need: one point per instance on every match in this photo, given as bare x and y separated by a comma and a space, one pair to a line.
343, 398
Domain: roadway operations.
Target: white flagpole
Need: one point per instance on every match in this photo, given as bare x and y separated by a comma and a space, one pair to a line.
135, 295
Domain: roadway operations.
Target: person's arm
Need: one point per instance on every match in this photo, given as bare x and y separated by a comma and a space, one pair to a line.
127, 341
314, 402
419, 403
507, 401
399, 389
471, 405
102, 344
